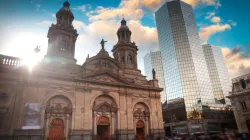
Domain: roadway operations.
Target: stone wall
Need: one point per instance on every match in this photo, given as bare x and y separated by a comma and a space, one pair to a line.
36, 89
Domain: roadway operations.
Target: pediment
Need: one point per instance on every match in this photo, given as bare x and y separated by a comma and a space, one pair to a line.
98, 63
105, 107
106, 77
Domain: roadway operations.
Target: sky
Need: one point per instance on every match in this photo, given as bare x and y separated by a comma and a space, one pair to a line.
223, 23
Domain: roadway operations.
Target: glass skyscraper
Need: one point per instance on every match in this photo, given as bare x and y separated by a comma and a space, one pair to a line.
185, 71
152, 61
218, 73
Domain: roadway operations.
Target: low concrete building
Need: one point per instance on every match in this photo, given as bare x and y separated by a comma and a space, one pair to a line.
240, 99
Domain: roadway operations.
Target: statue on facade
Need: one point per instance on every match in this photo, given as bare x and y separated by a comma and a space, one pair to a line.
103, 43
37, 49
153, 72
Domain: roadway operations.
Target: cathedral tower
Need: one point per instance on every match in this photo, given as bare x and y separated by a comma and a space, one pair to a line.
62, 37
125, 51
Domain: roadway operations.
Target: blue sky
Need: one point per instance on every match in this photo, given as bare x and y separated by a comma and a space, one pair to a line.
223, 23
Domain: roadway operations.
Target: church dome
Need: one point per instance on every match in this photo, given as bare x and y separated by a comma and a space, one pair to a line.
123, 33
123, 26
65, 10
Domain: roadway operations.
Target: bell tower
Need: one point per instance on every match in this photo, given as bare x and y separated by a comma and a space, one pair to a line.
62, 37
125, 51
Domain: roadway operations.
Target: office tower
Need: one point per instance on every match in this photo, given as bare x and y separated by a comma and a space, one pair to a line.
218, 73
152, 60
184, 65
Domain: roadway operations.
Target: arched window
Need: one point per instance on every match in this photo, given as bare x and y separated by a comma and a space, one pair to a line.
123, 36
130, 59
243, 83
63, 45
243, 105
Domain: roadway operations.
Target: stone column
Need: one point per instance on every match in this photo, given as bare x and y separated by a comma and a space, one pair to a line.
112, 123
126, 58
67, 126
146, 126
46, 127
95, 124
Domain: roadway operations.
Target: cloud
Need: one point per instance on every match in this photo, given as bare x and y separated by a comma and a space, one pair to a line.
237, 60
83, 8
145, 37
128, 8
210, 15
133, 9
142, 34
206, 32
45, 23
79, 25
233, 23
216, 19
38, 6
152, 4
53, 15
194, 3
213, 18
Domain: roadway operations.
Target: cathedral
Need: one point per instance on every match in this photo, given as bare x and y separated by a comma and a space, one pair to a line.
104, 98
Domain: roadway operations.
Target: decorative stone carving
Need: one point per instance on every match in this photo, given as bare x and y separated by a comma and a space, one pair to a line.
107, 78
59, 109
105, 107
140, 114
103, 64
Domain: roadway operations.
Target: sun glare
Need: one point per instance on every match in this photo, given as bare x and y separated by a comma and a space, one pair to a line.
31, 60
23, 45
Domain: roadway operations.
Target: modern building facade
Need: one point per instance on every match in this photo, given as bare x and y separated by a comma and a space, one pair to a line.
240, 99
212, 120
218, 73
152, 60
185, 71
104, 98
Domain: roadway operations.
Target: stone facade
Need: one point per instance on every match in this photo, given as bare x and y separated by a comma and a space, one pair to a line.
240, 99
104, 97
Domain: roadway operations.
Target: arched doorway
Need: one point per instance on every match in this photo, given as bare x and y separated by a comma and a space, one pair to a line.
56, 131
140, 130
104, 117
103, 128
58, 116
248, 125
141, 120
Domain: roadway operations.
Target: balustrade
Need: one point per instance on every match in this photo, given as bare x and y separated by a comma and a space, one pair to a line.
10, 61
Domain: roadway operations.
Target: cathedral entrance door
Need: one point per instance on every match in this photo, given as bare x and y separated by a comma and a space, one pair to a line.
103, 128
140, 130
56, 131
248, 125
